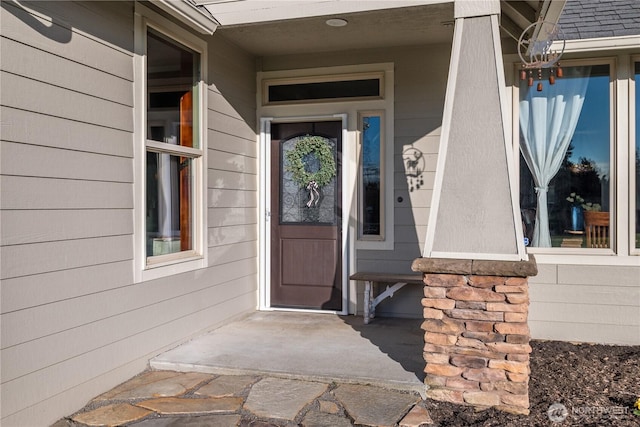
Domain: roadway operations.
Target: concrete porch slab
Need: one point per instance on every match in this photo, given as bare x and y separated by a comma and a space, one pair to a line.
309, 346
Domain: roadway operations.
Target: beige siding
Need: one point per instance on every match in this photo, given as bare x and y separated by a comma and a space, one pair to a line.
73, 321
420, 82
588, 303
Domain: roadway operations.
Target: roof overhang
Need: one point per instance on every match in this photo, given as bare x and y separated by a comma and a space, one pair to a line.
282, 27
243, 12
190, 14
517, 16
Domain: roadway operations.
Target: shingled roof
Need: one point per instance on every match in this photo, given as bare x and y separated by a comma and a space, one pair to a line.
585, 19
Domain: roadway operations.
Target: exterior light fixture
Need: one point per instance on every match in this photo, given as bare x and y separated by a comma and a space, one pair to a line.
536, 54
336, 22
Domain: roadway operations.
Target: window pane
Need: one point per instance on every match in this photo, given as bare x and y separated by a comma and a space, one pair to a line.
565, 160
637, 163
371, 176
169, 204
171, 79
325, 90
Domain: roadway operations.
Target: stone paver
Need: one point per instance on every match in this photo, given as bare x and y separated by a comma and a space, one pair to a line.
175, 405
226, 420
248, 401
322, 419
417, 416
280, 398
328, 407
111, 415
373, 406
230, 385
156, 384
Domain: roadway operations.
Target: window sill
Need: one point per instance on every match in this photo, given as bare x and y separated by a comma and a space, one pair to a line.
587, 258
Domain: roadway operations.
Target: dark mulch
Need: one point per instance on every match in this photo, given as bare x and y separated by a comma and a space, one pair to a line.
598, 385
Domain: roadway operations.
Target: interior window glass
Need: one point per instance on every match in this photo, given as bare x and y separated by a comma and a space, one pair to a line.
371, 191
172, 78
565, 164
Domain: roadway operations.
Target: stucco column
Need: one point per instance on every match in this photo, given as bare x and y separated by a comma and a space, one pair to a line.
473, 210
475, 267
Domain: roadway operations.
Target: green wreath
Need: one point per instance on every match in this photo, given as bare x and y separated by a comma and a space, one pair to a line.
295, 159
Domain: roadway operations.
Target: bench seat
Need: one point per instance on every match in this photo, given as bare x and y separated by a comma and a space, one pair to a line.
397, 281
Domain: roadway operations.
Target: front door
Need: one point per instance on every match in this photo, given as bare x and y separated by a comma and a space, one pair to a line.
306, 235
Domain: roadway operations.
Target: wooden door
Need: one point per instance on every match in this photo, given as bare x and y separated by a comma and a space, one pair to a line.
306, 235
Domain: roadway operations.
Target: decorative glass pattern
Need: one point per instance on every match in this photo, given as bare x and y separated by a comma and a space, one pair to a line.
295, 206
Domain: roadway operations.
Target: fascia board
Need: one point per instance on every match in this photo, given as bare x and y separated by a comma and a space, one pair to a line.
599, 44
262, 11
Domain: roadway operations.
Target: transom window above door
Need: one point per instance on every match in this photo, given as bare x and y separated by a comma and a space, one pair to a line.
323, 88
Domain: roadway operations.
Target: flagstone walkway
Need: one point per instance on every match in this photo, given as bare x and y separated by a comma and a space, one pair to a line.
167, 398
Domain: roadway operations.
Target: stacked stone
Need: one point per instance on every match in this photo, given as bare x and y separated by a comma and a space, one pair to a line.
477, 340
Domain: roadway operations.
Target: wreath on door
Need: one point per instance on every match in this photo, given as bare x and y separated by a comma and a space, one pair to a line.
312, 181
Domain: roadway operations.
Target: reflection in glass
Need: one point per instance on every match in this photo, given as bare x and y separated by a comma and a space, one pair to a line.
371, 176
294, 199
565, 156
169, 204
171, 78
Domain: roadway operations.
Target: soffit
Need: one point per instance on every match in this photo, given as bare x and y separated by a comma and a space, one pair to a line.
284, 27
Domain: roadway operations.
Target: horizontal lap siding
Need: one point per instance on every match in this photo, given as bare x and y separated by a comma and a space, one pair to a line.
420, 82
74, 323
587, 303
67, 199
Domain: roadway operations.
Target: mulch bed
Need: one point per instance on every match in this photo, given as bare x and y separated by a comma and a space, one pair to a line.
598, 385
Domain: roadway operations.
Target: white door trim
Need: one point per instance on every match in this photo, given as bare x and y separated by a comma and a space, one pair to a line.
265, 209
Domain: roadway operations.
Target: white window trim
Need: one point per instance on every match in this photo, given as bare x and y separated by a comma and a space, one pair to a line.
622, 150
633, 132
182, 261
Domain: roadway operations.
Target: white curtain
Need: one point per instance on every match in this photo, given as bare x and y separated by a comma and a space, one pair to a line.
548, 120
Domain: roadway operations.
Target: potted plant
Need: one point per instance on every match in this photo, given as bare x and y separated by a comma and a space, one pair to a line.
576, 205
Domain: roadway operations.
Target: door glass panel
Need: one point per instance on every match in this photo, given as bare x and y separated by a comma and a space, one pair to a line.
301, 203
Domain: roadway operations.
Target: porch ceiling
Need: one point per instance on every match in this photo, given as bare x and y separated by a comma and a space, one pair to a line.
293, 27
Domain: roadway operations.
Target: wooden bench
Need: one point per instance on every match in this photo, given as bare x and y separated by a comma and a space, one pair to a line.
398, 280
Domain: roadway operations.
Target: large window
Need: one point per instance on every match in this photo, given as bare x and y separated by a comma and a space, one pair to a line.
170, 149
172, 144
565, 161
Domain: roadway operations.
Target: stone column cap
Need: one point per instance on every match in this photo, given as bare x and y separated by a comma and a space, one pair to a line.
477, 267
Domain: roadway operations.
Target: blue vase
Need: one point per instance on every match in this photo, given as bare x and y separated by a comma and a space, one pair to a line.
577, 218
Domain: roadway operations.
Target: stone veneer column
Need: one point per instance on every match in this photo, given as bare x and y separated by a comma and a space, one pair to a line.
476, 332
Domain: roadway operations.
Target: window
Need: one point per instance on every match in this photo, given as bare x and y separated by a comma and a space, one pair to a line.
323, 88
170, 148
172, 145
636, 164
371, 200
565, 159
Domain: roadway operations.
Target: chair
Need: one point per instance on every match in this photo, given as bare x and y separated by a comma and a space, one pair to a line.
596, 225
